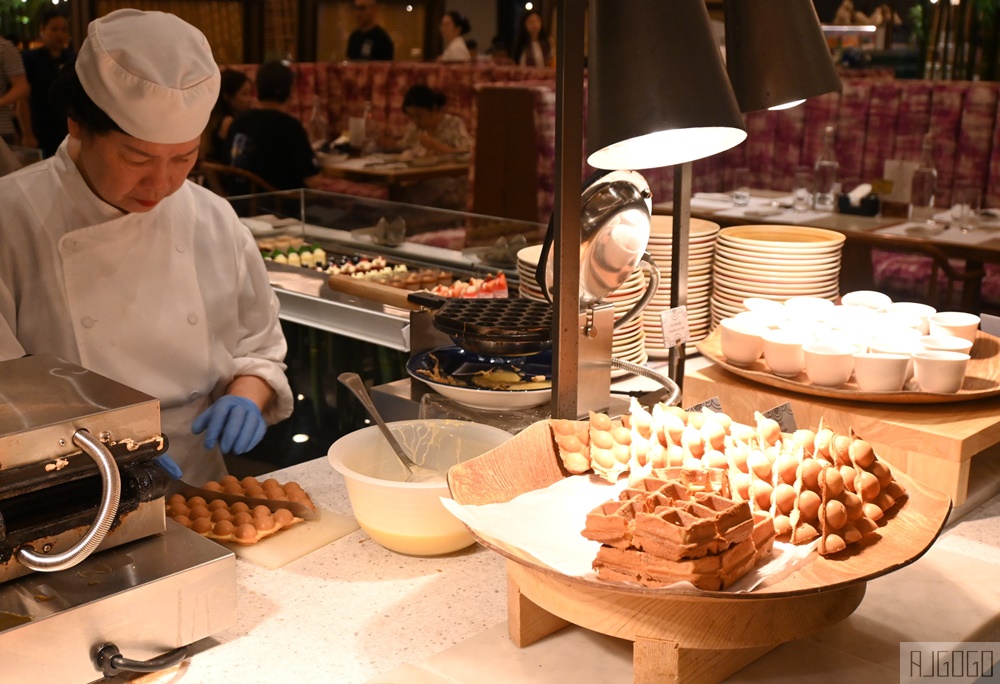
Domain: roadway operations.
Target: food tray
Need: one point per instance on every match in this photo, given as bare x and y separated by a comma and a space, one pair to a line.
982, 378
529, 461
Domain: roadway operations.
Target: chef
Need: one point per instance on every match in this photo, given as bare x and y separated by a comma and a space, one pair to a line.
111, 259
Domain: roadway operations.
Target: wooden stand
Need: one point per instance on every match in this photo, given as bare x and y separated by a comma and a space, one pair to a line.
677, 638
932, 443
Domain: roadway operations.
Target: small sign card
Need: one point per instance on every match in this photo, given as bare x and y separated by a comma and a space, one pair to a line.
990, 324
784, 415
712, 404
675, 326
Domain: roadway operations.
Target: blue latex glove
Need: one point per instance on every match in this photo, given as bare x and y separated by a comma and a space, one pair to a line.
235, 423
169, 465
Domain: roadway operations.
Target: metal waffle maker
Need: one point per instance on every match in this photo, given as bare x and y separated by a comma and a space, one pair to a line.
83, 538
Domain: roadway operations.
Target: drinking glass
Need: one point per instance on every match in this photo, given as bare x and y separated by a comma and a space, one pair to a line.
802, 198
741, 187
965, 209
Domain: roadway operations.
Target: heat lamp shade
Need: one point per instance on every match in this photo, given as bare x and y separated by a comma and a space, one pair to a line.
776, 53
658, 91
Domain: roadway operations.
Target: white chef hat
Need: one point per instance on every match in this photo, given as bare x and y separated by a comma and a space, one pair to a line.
151, 72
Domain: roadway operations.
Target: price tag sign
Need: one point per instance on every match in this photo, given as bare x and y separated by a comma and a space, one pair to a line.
713, 404
990, 324
784, 416
675, 326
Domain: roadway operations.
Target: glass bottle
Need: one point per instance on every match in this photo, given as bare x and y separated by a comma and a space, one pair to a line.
825, 174
924, 183
318, 126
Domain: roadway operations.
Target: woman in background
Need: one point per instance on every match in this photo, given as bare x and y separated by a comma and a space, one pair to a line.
454, 25
533, 47
432, 131
235, 97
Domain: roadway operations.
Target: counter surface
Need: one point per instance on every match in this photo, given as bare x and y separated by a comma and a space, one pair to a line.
352, 611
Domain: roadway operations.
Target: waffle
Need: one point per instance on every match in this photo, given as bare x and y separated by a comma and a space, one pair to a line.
268, 489
572, 439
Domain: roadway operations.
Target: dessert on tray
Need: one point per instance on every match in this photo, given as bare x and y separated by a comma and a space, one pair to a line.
807, 485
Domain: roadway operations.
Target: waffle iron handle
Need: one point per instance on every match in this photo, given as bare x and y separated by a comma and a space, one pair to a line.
647, 296
111, 490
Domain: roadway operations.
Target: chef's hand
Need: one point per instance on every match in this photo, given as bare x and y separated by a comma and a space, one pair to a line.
234, 422
169, 465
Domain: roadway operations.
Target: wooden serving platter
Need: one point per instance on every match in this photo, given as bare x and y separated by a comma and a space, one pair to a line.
529, 461
982, 378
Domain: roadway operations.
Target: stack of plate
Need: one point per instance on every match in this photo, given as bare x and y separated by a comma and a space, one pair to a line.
628, 342
774, 262
701, 247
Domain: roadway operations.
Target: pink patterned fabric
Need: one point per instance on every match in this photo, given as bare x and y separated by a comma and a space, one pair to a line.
853, 114
883, 112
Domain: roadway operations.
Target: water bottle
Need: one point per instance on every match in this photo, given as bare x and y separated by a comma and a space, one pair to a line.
924, 183
318, 127
825, 174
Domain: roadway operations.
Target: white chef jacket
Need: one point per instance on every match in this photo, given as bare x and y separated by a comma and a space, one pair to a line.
174, 302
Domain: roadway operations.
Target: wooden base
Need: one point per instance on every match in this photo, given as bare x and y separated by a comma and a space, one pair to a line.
677, 638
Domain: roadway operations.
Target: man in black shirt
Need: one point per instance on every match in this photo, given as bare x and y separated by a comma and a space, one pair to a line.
270, 142
44, 125
368, 41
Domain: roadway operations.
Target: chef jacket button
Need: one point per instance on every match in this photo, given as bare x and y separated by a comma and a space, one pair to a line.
87, 322
193, 319
180, 248
194, 395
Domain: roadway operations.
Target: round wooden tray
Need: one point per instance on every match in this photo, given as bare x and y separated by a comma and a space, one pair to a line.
529, 461
982, 378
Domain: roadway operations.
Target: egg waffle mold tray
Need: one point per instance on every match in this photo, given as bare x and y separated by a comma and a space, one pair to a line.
502, 327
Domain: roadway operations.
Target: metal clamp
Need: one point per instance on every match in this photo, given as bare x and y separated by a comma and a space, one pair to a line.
110, 496
111, 661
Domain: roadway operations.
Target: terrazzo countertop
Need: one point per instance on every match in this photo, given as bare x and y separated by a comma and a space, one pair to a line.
353, 612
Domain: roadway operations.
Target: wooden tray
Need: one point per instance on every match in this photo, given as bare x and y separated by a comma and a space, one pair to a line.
529, 461
982, 378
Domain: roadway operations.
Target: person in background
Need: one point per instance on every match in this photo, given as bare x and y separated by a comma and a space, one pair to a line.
368, 41
124, 266
433, 132
454, 25
533, 47
269, 141
472, 45
41, 124
235, 97
13, 88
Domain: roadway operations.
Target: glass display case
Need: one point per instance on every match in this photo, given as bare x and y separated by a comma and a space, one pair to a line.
363, 238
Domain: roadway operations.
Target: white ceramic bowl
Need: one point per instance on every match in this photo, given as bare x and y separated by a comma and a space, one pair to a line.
955, 323
869, 298
921, 311
946, 343
940, 371
408, 517
783, 352
808, 308
875, 372
742, 340
829, 364
843, 317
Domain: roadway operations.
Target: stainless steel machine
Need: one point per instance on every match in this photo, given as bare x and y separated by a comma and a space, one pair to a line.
93, 579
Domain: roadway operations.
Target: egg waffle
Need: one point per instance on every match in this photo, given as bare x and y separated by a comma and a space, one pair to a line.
572, 439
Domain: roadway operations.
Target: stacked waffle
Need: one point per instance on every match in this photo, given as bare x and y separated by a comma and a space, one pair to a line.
660, 532
782, 476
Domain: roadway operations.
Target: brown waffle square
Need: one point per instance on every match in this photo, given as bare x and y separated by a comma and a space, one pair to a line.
611, 523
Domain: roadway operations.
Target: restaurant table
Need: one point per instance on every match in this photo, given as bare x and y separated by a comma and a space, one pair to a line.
864, 233
392, 173
353, 612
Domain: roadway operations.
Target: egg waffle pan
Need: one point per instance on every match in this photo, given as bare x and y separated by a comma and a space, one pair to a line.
497, 326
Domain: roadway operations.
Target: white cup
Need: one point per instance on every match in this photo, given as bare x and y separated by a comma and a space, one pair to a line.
829, 364
808, 308
760, 318
942, 372
767, 307
783, 352
868, 298
856, 338
946, 343
742, 342
902, 343
954, 323
877, 372
921, 311
843, 317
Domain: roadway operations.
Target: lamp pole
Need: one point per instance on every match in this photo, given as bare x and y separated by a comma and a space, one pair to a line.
566, 212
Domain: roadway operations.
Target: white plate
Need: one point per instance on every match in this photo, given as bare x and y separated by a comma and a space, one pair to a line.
775, 259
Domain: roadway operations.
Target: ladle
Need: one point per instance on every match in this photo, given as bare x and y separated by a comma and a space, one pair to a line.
415, 473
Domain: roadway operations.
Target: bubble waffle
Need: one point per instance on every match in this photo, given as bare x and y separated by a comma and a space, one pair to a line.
572, 439
238, 522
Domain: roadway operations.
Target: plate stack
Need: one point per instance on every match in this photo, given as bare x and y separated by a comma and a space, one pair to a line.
773, 262
701, 247
628, 342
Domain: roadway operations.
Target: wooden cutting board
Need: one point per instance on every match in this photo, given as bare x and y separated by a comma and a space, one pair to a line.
296, 541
